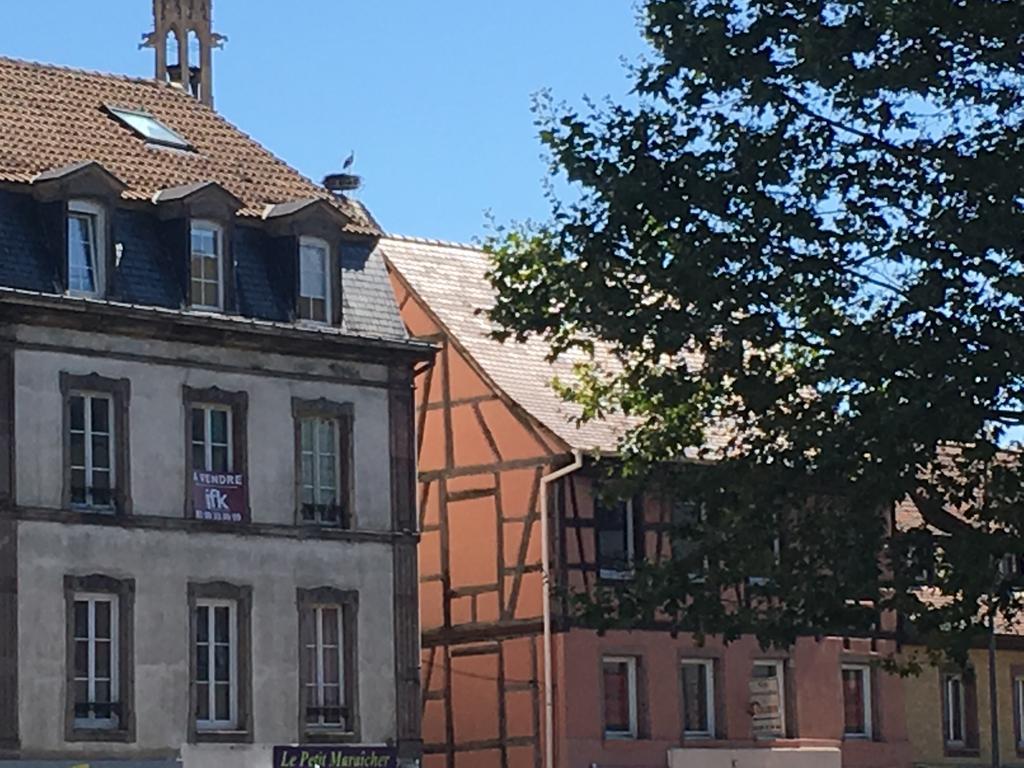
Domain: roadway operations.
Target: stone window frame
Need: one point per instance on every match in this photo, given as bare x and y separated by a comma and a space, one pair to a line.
348, 601
238, 402
119, 391
241, 595
1016, 686
344, 415
124, 590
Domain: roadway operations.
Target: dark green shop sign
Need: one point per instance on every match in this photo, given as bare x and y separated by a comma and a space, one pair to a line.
347, 756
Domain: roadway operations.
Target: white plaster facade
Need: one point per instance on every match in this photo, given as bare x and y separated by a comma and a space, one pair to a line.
163, 560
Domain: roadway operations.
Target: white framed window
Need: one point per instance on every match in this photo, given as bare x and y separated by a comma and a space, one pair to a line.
768, 699
91, 449
857, 706
96, 682
616, 539
314, 280
698, 698
212, 444
85, 248
620, 697
321, 470
323, 676
955, 709
207, 266
216, 660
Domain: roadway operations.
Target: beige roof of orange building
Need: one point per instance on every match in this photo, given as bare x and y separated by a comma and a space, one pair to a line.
52, 117
451, 281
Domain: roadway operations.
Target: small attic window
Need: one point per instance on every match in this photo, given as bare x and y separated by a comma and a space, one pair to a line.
149, 128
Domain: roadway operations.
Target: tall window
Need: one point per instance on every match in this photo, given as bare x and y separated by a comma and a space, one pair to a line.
314, 280
620, 697
207, 266
324, 671
768, 700
95, 637
91, 443
698, 698
98, 672
321, 500
85, 249
616, 538
212, 448
857, 701
216, 664
955, 708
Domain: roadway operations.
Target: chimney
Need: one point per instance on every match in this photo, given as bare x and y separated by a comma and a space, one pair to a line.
183, 39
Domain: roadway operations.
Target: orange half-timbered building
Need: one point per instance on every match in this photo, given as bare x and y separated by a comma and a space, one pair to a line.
490, 430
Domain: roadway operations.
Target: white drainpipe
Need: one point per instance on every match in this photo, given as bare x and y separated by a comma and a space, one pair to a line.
549, 697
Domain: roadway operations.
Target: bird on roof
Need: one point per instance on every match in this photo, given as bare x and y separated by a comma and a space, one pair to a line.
348, 161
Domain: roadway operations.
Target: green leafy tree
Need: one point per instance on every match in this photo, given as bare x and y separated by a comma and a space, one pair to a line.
804, 240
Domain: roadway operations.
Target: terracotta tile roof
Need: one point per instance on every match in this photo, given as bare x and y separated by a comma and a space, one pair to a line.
52, 116
451, 280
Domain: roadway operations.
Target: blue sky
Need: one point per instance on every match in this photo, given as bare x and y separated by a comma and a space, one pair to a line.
433, 97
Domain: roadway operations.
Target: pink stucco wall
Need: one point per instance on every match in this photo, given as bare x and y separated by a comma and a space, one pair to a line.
814, 699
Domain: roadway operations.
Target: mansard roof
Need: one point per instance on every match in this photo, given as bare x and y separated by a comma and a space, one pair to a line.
52, 117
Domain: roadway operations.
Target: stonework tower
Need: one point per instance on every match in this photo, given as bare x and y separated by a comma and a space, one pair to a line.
183, 39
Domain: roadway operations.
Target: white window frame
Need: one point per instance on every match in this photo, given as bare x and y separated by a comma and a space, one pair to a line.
948, 736
780, 678
626, 572
96, 216
314, 457
864, 670
316, 242
708, 665
87, 434
213, 724
318, 650
91, 599
208, 409
218, 231
631, 690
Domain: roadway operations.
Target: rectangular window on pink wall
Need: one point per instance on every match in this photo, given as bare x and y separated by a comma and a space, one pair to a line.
620, 699
856, 701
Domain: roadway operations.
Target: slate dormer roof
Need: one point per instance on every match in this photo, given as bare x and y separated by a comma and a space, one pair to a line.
55, 126
51, 117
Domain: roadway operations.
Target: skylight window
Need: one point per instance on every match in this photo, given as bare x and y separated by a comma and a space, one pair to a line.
149, 128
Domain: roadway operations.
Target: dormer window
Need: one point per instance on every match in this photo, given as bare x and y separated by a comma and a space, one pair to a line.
85, 248
314, 280
207, 277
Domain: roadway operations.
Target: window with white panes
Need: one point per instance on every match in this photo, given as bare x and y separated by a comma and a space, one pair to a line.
212, 447
321, 470
91, 450
216, 664
620, 697
314, 280
955, 710
323, 672
207, 266
698, 698
95, 677
857, 707
85, 232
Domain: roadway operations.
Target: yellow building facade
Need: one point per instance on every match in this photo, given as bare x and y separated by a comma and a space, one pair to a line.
949, 712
